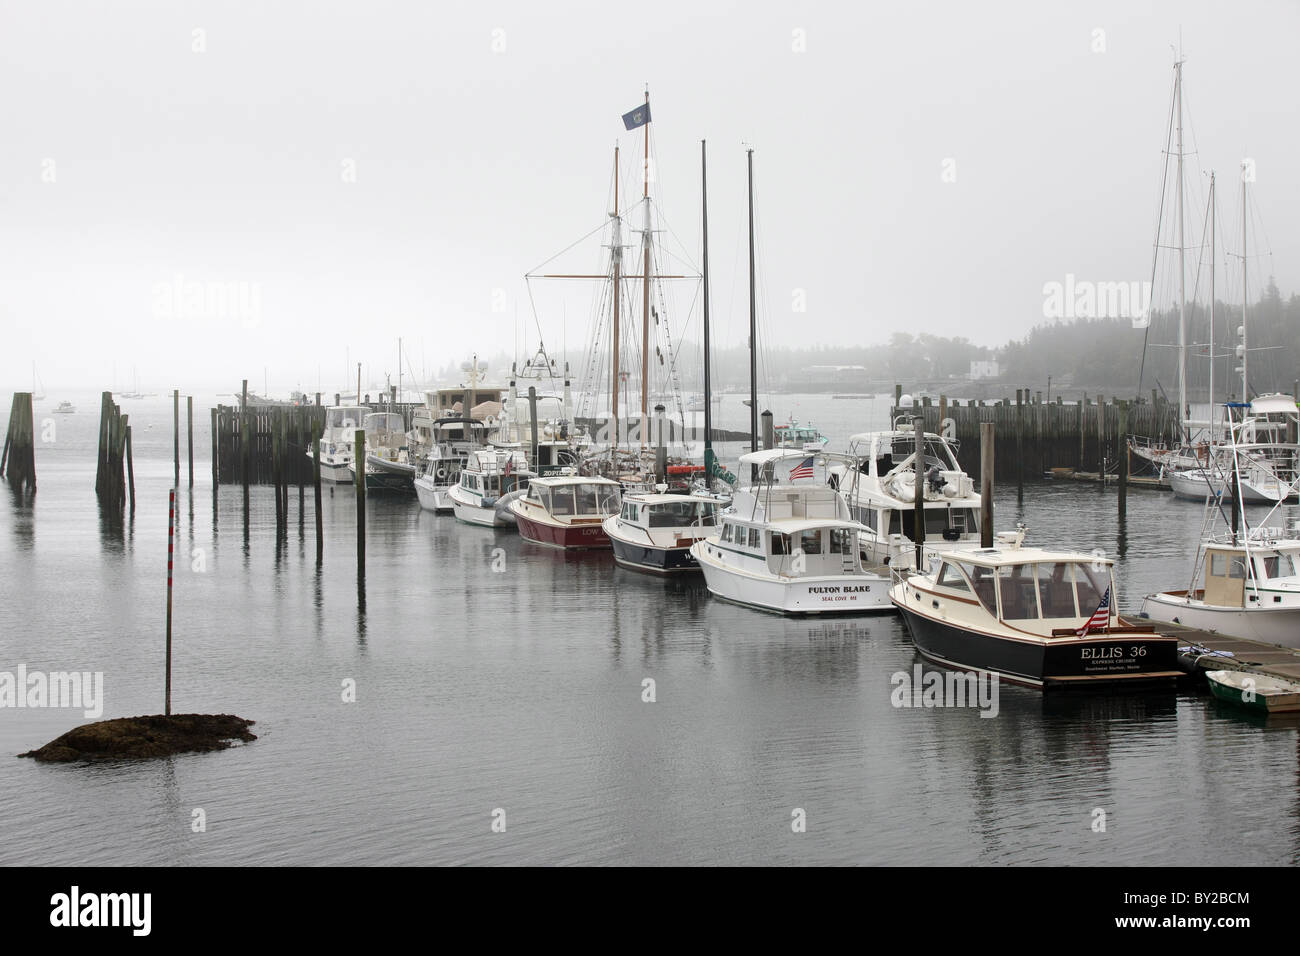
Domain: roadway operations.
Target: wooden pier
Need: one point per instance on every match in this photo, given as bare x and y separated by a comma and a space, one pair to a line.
1082, 438
1207, 651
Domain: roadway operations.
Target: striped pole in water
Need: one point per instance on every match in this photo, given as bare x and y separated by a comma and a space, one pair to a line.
171, 535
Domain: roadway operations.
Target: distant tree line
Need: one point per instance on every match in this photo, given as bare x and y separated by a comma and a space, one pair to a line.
1089, 355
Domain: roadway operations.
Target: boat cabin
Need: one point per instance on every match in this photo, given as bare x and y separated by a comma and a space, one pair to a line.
1236, 576
792, 547
342, 421
1028, 589
669, 511
576, 498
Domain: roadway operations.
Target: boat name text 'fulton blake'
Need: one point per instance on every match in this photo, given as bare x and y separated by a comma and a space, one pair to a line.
840, 589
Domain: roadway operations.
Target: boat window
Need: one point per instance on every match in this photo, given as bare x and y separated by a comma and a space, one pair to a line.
562, 500
1237, 567
1278, 566
726, 532
1091, 583
1218, 564
981, 579
1056, 589
950, 577
780, 543
756, 539
810, 542
680, 514
842, 540
1018, 588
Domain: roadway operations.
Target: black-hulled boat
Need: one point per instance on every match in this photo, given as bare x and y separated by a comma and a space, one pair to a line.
1034, 617
654, 532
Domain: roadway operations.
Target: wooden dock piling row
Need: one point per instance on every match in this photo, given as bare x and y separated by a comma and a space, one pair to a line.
18, 459
110, 480
1035, 437
267, 428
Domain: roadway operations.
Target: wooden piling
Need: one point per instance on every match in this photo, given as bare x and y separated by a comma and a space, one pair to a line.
130, 468
245, 439
189, 431
110, 487
986, 483
176, 436
918, 506
18, 460
315, 480
360, 459
1020, 448
1122, 443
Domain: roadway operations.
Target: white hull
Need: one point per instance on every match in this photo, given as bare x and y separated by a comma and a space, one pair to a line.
336, 468
433, 497
1194, 487
472, 512
1271, 625
828, 594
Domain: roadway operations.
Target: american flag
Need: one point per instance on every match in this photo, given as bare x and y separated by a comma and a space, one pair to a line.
802, 470
1100, 617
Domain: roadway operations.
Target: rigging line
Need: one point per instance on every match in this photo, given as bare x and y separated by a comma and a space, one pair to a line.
532, 273
1155, 253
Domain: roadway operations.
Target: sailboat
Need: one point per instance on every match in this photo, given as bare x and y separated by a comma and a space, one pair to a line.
1185, 454
624, 451
1258, 456
655, 532
1245, 579
38, 388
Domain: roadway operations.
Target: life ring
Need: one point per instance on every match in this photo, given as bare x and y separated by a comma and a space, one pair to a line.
442, 472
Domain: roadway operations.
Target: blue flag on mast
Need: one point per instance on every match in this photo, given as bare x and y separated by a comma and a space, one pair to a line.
637, 117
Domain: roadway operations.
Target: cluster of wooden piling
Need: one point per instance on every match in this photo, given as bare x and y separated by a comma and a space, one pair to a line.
1035, 438
258, 442
18, 459
115, 471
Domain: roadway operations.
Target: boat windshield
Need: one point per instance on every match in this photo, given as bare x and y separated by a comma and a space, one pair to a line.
684, 513
383, 422
344, 417
584, 499
1048, 590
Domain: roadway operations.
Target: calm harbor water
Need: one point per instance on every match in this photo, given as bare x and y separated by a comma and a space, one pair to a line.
491, 673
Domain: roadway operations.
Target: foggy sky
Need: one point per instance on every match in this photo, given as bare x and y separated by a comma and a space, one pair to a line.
481, 137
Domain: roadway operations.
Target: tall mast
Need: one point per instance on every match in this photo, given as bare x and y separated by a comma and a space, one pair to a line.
645, 282
1211, 415
1245, 352
708, 391
1182, 271
753, 318
617, 255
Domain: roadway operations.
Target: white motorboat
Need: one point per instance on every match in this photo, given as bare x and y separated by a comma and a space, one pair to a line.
1249, 588
654, 532
879, 486
789, 547
1245, 579
336, 441
489, 478
386, 462
441, 462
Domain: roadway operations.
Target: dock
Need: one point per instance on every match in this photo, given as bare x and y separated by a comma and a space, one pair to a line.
1206, 651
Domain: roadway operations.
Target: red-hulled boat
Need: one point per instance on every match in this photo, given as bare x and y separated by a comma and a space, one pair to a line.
567, 511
